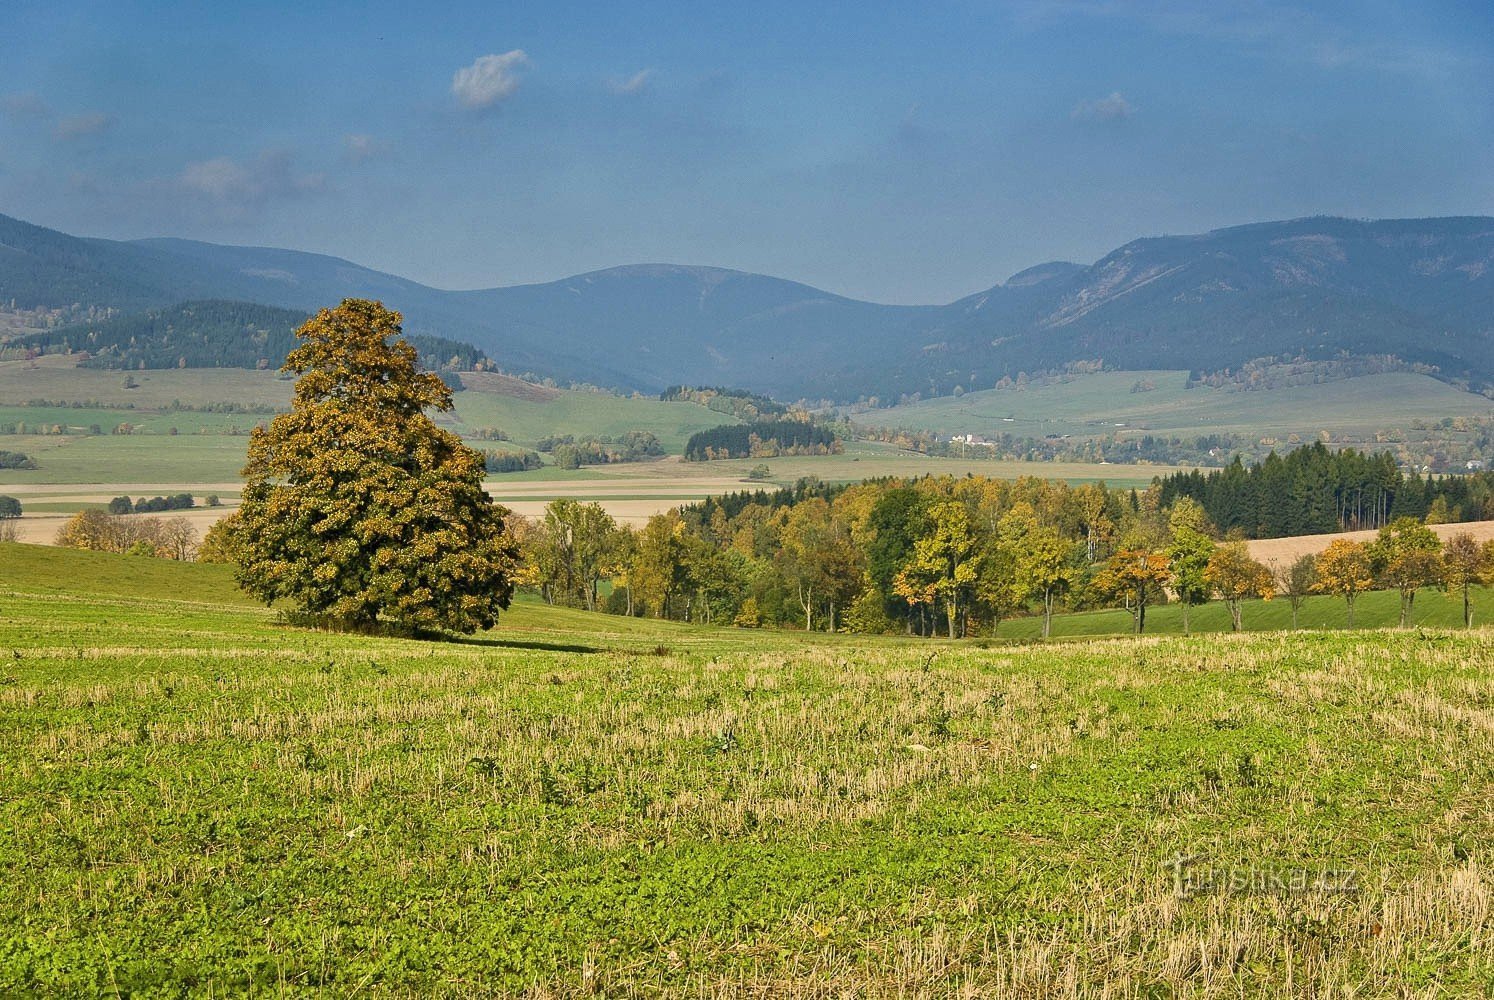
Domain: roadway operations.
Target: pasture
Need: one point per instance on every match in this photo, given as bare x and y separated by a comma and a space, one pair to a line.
199, 802
1105, 403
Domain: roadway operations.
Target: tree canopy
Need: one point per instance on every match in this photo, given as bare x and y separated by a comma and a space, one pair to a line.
357, 507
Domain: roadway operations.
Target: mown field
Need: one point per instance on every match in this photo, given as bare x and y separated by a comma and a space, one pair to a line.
197, 802
1104, 403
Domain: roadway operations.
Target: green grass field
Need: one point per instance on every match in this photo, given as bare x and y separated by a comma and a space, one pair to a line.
197, 802
1103, 403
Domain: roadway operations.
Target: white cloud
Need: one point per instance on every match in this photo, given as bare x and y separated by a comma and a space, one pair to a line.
634, 84
27, 104
78, 126
489, 80
358, 147
1113, 107
232, 184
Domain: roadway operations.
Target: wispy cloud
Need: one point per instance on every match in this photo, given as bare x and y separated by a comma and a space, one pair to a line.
86, 124
1113, 107
488, 81
1262, 28
27, 104
358, 146
232, 185
635, 84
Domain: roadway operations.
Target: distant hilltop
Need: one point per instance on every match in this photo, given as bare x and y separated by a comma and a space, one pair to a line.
1419, 291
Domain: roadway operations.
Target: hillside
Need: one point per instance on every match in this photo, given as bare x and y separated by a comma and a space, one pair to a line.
211, 334
1135, 403
1419, 290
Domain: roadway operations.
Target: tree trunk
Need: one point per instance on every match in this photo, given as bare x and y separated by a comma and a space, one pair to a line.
953, 611
1236, 613
1467, 609
1186, 629
1140, 617
1350, 600
1047, 614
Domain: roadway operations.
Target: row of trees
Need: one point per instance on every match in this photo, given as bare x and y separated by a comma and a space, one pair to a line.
1406, 556
948, 557
99, 531
157, 505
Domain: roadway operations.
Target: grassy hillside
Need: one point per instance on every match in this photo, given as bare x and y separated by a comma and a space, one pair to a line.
1105, 403
194, 802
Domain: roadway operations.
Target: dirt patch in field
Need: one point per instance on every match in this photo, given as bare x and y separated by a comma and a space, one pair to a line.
1285, 551
507, 385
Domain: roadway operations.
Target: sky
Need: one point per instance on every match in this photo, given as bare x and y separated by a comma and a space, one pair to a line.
895, 152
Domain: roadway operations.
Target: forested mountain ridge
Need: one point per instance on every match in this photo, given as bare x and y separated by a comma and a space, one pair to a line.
1421, 290
212, 334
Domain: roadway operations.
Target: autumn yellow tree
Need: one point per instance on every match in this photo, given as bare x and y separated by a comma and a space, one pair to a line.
944, 564
357, 508
1136, 577
1466, 563
1235, 577
1344, 569
1407, 555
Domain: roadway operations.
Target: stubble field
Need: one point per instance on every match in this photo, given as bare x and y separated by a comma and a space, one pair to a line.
197, 802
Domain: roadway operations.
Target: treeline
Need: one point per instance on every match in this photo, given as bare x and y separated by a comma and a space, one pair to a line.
570, 452
737, 402
927, 556
175, 406
511, 461
762, 439
215, 334
1205, 449
1313, 490
157, 505
952, 557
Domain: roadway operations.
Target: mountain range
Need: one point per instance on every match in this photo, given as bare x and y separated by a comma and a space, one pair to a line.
1420, 290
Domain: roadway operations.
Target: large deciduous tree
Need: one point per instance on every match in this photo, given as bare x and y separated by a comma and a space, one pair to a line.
357, 507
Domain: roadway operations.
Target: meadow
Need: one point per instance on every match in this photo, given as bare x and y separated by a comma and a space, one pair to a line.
1104, 403
197, 801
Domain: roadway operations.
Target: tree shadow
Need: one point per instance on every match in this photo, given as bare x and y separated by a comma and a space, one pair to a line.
534, 644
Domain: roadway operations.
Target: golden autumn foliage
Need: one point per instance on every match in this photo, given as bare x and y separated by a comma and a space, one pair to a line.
1236, 577
1344, 569
357, 507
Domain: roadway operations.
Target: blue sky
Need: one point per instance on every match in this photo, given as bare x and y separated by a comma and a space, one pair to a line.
896, 152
